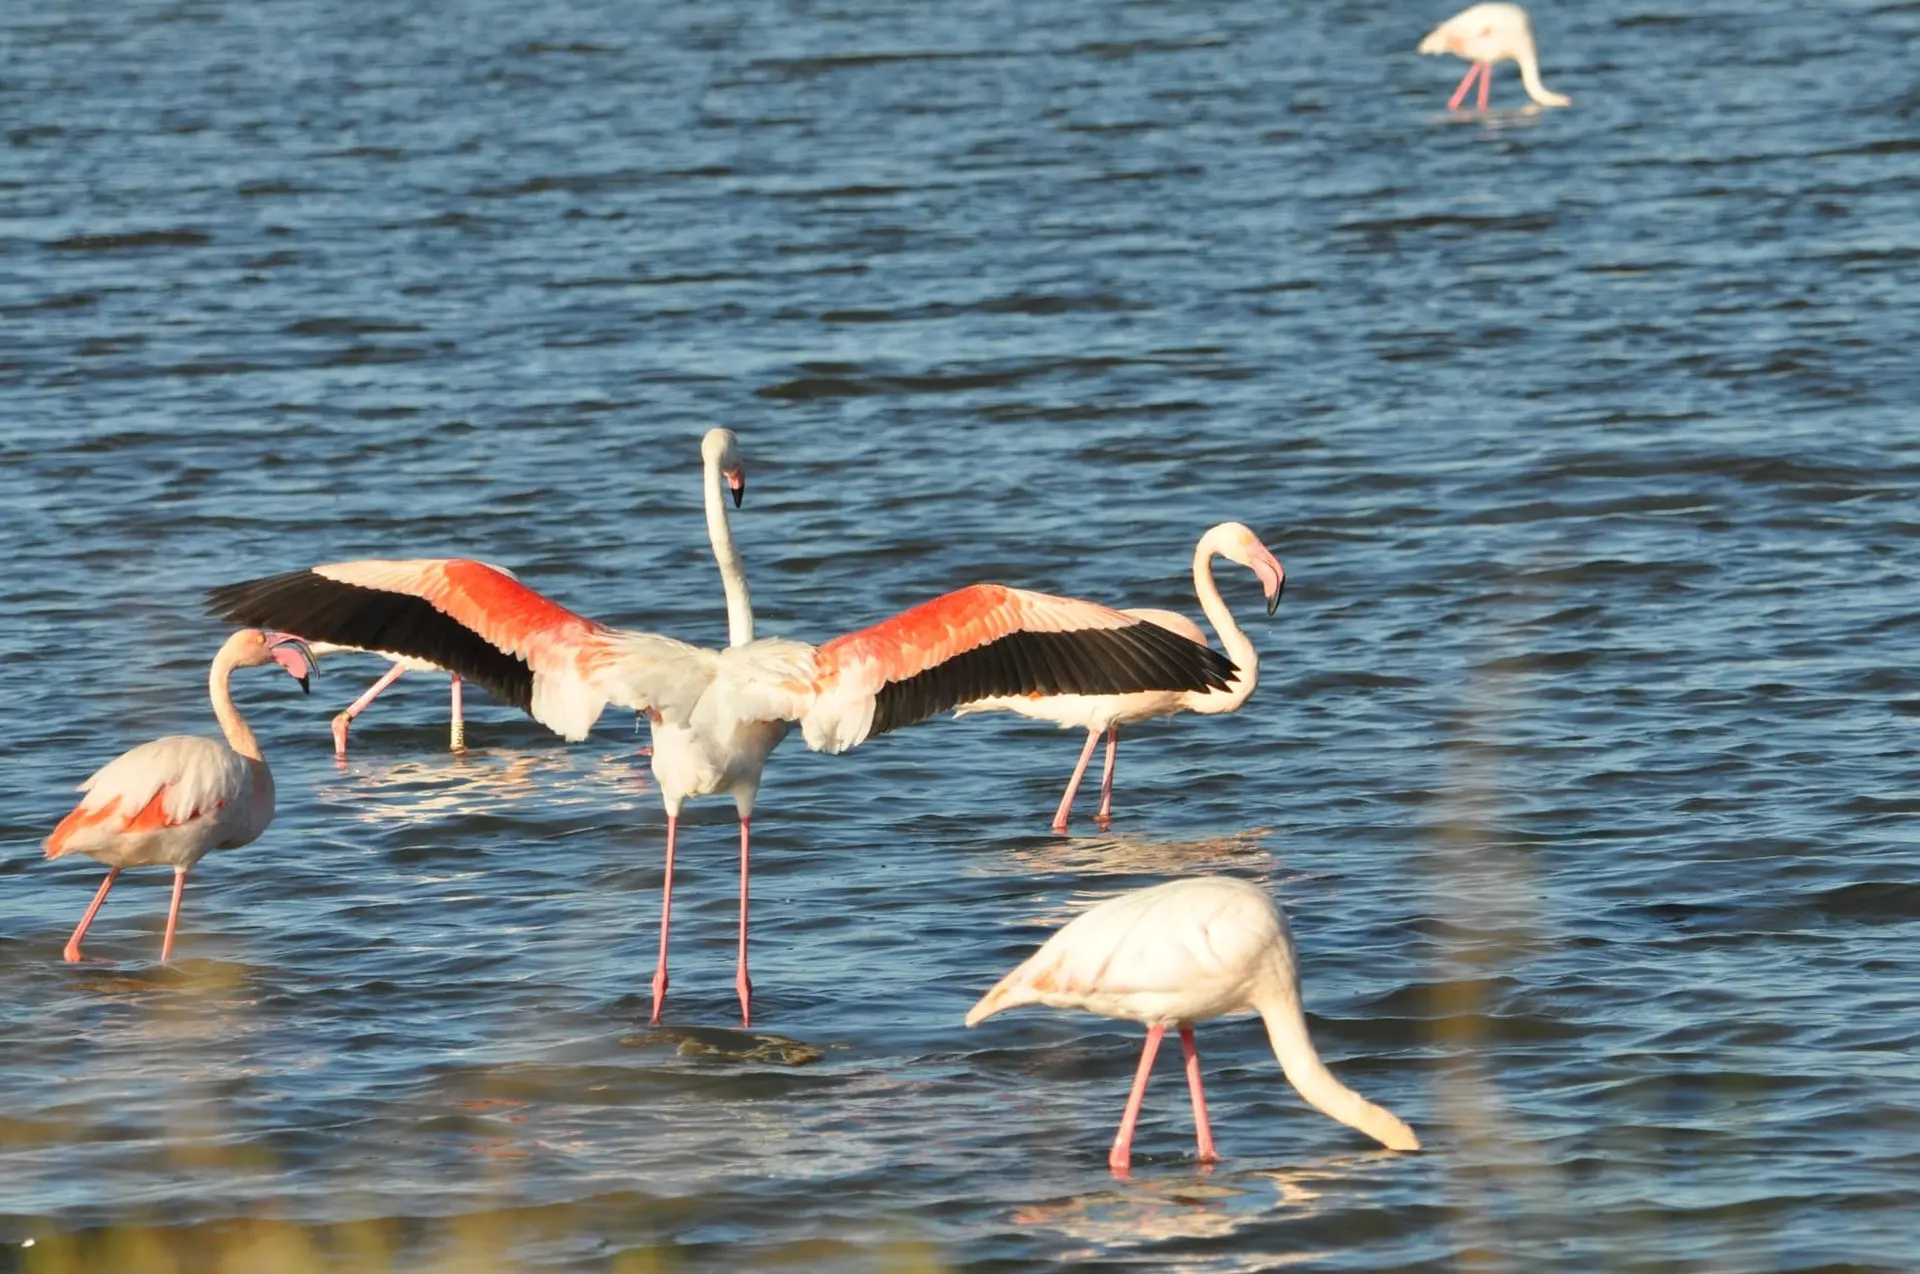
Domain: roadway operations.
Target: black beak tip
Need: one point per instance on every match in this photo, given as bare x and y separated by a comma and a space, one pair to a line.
305, 689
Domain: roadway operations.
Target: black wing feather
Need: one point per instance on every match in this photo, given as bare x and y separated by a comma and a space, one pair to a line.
374, 619
1091, 661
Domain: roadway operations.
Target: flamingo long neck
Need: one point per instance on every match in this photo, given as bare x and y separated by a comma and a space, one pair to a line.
733, 573
239, 734
1287, 1032
1530, 77
1238, 646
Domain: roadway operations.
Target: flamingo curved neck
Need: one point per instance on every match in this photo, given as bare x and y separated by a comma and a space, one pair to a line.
1287, 1033
1530, 80
733, 574
239, 734
1238, 646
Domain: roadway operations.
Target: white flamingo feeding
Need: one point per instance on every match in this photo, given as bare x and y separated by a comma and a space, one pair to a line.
1182, 953
1489, 33
718, 714
457, 724
1098, 714
169, 801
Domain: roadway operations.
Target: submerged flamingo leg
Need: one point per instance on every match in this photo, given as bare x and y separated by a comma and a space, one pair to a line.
1073, 784
1202, 1132
357, 707
1104, 819
457, 739
1460, 94
72, 953
741, 982
1121, 1155
666, 918
173, 913
1486, 82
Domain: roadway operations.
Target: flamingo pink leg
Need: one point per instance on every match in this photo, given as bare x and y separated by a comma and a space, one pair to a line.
1122, 1153
666, 918
1104, 819
1203, 1133
741, 982
457, 739
1073, 784
357, 707
1460, 94
72, 954
1486, 82
173, 913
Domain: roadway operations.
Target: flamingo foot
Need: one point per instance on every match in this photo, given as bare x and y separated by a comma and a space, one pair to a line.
1202, 1129
71, 952
1121, 1155
1059, 827
744, 985
1466, 83
340, 736
457, 725
659, 994
1103, 821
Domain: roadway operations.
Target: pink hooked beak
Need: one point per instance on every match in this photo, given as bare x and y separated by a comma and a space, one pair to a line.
737, 483
1273, 578
293, 654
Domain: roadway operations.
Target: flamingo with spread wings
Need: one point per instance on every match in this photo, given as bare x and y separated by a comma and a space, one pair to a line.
1107, 713
169, 801
1182, 953
718, 714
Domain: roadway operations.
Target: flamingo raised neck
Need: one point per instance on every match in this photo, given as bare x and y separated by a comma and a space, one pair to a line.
1099, 714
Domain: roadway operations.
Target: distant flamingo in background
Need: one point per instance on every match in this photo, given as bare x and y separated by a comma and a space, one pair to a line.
1483, 35
717, 715
172, 800
457, 728
1107, 713
1178, 954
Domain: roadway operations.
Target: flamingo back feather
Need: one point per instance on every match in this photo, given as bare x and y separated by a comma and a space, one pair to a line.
164, 783
1199, 942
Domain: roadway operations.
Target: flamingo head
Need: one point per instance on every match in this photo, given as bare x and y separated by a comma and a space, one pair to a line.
1237, 543
721, 450
290, 652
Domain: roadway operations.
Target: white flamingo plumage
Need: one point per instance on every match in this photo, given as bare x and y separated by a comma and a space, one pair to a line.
169, 801
718, 714
1177, 954
1489, 33
1098, 714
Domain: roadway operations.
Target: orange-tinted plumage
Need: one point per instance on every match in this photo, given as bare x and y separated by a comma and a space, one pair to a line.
82, 819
